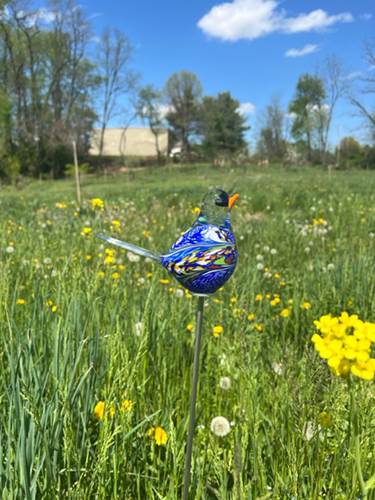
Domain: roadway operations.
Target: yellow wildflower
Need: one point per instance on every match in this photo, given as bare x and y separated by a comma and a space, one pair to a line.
346, 343
96, 203
146, 234
258, 297
285, 313
101, 274
116, 224
86, 231
164, 281
21, 302
275, 301
217, 330
251, 316
189, 327
233, 300
99, 410
109, 260
325, 419
116, 276
54, 308
196, 211
126, 405
60, 205
88, 257
160, 436
306, 305
259, 327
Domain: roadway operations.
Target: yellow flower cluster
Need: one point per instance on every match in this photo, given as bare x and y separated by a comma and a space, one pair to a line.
346, 342
101, 408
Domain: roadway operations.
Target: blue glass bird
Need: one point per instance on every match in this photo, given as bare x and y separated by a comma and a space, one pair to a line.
205, 256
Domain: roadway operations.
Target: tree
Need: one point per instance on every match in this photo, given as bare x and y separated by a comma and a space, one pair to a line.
117, 79
49, 80
183, 92
367, 111
272, 136
349, 152
309, 111
335, 86
222, 126
149, 110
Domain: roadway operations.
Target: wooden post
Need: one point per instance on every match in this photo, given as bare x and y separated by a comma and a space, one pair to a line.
76, 172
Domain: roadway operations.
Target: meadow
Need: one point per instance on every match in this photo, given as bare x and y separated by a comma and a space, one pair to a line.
96, 345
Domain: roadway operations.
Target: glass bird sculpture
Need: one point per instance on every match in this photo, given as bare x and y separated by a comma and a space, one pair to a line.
205, 256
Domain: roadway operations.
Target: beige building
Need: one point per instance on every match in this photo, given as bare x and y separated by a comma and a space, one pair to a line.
133, 141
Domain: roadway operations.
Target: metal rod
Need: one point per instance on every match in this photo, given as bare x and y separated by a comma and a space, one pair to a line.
193, 397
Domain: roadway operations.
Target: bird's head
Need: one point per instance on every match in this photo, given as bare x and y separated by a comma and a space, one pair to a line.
216, 205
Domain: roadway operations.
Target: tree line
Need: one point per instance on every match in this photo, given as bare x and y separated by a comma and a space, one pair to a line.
58, 81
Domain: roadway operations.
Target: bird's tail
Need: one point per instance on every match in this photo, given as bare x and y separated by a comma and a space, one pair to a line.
129, 246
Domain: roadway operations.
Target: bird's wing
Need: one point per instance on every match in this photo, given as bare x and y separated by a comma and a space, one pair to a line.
129, 246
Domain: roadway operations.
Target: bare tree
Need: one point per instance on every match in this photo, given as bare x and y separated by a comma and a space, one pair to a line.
335, 86
367, 89
149, 110
117, 79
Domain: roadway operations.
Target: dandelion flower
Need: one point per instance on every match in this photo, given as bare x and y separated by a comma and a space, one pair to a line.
86, 231
96, 203
251, 317
306, 305
21, 302
220, 426
217, 330
189, 327
159, 435
285, 313
99, 410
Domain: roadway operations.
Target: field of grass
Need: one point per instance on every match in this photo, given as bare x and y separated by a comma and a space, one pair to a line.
80, 325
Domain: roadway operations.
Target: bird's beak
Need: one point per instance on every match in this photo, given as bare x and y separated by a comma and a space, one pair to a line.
232, 200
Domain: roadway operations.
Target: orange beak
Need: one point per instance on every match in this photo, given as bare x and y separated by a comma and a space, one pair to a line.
232, 200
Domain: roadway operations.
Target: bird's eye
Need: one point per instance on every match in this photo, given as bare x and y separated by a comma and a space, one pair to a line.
222, 199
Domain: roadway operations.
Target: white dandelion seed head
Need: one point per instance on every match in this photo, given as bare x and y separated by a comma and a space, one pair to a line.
260, 266
179, 292
225, 383
9, 249
273, 251
132, 257
47, 261
278, 368
220, 426
266, 248
53, 273
330, 267
259, 257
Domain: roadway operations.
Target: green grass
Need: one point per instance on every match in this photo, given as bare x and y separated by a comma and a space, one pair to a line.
112, 339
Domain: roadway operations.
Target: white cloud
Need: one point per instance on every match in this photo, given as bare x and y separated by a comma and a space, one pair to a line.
250, 19
353, 75
366, 16
247, 108
316, 20
307, 49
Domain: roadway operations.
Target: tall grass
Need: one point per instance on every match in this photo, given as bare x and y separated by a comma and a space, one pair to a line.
82, 337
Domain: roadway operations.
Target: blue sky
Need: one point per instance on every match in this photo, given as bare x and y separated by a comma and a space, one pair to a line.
253, 48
